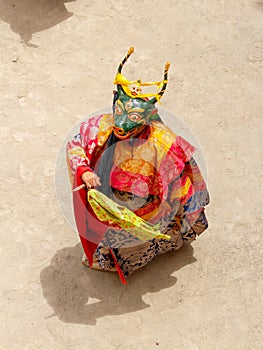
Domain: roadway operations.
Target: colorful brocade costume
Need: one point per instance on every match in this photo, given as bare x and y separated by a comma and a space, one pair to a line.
153, 180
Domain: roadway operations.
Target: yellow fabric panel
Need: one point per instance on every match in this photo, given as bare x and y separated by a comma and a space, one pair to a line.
163, 135
140, 159
105, 128
137, 166
195, 177
150, 215
77, 151
144, 158
182, 191
163, 207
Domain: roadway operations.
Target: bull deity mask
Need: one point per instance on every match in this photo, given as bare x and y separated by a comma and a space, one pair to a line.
132, 109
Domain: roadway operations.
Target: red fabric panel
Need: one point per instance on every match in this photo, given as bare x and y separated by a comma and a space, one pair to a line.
119, 270
90, 229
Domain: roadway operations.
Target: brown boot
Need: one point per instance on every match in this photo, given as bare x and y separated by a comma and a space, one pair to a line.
96, 265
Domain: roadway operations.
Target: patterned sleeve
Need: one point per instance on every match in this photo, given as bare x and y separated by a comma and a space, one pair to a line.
80, 148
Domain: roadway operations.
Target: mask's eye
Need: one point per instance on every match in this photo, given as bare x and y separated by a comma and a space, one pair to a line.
128, 105
118, 110
134, 117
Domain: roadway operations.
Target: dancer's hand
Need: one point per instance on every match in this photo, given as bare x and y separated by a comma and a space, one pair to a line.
91, 179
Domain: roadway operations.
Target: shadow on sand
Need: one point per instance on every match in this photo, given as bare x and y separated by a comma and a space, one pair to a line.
27, 17
80, 295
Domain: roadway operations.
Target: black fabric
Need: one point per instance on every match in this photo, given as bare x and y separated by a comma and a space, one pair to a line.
105, 164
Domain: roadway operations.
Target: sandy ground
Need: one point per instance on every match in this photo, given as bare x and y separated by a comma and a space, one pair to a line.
58, 61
